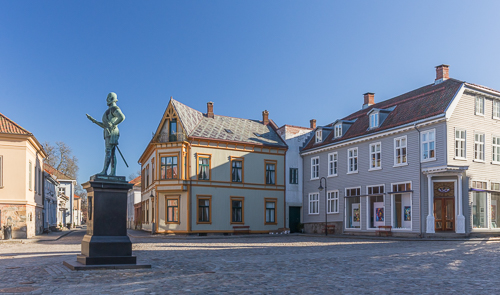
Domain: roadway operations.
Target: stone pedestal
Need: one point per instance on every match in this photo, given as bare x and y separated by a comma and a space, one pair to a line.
106, 242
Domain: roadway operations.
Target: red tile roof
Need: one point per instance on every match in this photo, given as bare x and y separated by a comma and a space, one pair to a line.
11, 127
136, 181
48, 168
421, 103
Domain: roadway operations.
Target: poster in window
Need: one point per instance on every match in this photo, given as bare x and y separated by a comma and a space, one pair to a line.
355, 215
407, 213
379, 214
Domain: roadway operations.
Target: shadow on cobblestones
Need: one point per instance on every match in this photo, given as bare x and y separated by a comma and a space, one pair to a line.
291, 265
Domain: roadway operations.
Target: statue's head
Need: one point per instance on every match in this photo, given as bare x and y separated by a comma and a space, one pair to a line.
112, 97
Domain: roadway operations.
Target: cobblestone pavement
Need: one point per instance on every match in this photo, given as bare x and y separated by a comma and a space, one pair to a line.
264, 265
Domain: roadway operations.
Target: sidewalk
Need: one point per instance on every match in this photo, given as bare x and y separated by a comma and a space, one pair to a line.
53, 236
145, 234
425, 239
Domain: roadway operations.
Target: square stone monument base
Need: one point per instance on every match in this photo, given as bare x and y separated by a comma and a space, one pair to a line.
106, 244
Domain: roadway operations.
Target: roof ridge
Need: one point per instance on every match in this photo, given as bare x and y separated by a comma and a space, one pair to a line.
15, 124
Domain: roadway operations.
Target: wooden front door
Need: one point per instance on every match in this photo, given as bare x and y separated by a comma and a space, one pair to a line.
444, 214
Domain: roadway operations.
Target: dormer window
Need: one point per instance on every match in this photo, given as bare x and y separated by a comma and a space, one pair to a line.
374, 120
338, 130
319, 136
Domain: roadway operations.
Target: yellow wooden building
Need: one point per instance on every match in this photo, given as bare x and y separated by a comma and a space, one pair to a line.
204, 173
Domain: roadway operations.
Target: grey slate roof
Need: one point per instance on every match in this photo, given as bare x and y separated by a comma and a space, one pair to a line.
199, 125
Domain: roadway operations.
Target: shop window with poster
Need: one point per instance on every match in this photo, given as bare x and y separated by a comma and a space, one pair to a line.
401, 205
352, 207
479, 213
495, 202
376, 208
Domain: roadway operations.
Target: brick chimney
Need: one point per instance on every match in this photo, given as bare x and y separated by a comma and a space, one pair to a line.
313, 123
442, 73
369, 99
210, 109
265, 117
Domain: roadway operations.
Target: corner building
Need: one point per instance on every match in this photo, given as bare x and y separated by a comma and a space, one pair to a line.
204, 173
425, 163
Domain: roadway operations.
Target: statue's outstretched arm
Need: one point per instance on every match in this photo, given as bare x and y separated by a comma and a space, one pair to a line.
95, 121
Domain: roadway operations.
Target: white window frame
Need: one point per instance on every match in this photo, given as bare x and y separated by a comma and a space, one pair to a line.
481, 144
495, 144
479, 106
393, 201
354, 158
311, 204
459, 140
319, 136
428, 142
338, 130
333, 164
346, 197
396, 164
379, 144
332, 202
374, 120
496, 109
314, 168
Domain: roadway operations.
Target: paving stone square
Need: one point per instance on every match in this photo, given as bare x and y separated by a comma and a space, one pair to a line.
289, 264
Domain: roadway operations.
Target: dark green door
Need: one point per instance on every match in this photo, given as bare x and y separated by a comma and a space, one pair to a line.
294, 218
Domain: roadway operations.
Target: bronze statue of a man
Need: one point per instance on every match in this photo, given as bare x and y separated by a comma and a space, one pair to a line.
110, 120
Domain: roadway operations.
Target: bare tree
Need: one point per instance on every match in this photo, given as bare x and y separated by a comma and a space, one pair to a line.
134, 175
60, 157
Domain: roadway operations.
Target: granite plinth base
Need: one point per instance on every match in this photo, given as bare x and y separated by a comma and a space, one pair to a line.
100, 260
75, 265
107, 178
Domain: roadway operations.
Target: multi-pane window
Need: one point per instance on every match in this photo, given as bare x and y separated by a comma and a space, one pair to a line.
237, 210
314, 203
496, 109
374, 120
314, 167
479, 146
401, 187
270, 173
236, 171
332, 164
319, 136
333, 202
375, 156
30, 179
400, 151
172, 210
338, 130
271, 211
203, 210
352, 160
294, 175
375, 189
203, 168
496, 149
479, 105
495, 186
460, 136
168, 167
147, 175
428, 145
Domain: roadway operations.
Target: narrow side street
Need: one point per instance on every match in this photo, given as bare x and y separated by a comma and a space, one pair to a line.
274, 264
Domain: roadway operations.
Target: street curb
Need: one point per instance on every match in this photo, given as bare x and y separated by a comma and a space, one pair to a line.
373, 238
211, 237
35, 240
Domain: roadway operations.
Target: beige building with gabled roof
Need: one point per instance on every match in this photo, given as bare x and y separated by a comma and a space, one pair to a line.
204, 173
21, 180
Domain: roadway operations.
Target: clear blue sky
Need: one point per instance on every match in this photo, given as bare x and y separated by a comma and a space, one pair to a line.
297, 59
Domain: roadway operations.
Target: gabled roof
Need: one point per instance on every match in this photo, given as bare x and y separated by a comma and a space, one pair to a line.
198, 125
11, 127
57, 173
189, 117
421, 103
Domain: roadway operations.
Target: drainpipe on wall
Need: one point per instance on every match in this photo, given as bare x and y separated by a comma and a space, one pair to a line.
419, 181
